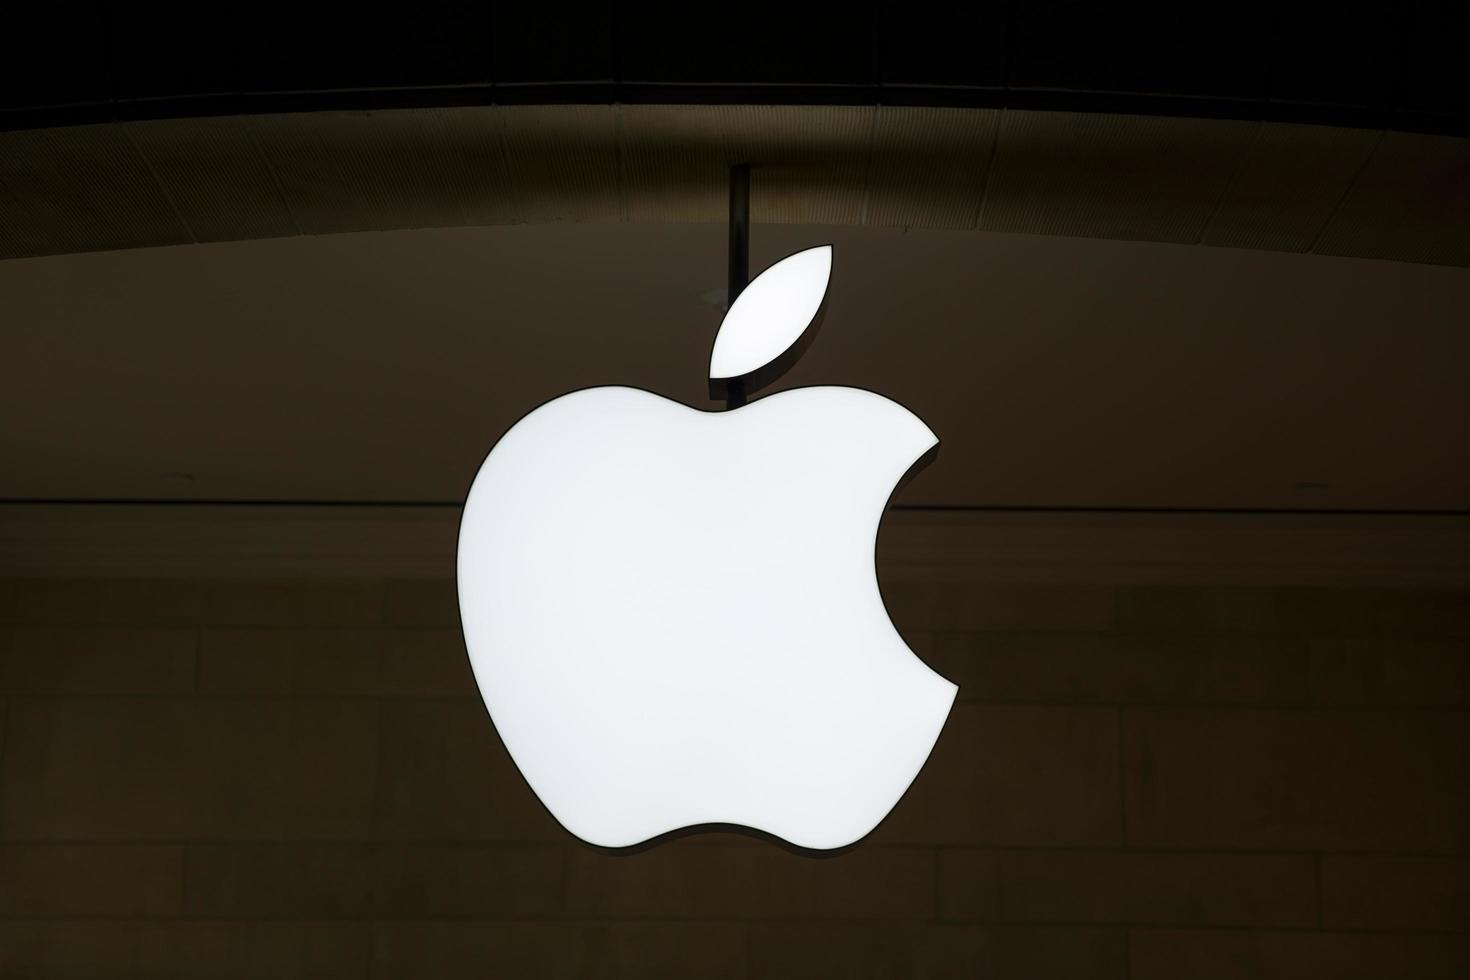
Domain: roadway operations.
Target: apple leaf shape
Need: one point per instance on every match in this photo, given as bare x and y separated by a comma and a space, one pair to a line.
771, 314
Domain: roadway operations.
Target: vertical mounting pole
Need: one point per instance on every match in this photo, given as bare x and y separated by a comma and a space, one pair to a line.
739, 267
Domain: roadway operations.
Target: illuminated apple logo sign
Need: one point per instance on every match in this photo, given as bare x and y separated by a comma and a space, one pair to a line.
673, 614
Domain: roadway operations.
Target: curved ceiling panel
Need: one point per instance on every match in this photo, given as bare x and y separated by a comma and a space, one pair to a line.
1268, 185
1059, 372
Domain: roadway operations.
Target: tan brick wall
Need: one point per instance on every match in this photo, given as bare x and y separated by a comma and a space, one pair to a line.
278, 779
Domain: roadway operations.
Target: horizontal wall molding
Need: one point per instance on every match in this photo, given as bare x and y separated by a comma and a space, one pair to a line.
285, 541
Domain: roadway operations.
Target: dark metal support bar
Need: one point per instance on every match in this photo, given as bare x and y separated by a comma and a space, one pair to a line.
739, 264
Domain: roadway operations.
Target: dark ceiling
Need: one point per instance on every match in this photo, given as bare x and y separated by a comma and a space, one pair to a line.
1061, 372
1373, 63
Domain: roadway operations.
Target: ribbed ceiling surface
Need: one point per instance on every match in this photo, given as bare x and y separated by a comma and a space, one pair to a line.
1268, 185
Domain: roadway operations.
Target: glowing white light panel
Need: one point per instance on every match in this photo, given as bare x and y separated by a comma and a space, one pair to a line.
673, 615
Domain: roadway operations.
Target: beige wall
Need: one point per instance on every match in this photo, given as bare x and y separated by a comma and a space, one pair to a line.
266, 777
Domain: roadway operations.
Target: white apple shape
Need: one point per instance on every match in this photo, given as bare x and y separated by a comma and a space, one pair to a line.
673, 615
